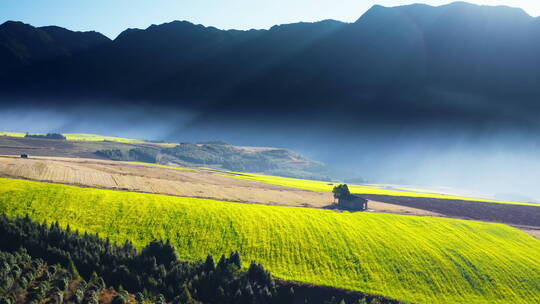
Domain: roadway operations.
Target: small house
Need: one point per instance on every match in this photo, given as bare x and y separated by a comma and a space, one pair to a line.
353, 202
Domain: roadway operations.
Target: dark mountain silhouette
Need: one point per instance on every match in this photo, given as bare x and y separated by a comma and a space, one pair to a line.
22, 44
458, 63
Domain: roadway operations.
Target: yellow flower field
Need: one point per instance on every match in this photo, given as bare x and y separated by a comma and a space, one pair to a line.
417, 259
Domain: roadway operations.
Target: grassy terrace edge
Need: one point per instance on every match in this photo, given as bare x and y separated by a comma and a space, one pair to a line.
416, 259
327, 186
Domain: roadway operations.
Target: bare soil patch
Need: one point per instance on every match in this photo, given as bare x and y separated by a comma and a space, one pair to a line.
482, 211
151, 179
397, 209
532, 231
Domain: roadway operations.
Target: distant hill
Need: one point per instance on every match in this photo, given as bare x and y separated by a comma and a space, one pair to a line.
218, 155
244, 159
452, 63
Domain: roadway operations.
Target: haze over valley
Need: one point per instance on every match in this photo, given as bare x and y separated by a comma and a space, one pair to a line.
390, 98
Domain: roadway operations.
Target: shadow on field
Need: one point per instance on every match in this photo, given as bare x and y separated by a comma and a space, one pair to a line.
323, 294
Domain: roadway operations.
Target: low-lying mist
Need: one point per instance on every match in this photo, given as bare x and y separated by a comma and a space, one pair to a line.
493, 162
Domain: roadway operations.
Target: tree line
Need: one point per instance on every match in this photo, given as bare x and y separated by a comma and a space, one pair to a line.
145, 155
55, 136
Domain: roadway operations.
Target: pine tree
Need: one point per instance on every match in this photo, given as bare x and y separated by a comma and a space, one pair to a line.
73, 270
209, 264
184, 297
236, 260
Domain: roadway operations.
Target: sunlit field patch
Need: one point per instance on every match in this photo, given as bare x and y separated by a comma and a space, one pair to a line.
12, 134
95, 137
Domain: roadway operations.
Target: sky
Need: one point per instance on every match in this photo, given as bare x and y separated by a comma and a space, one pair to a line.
112, 17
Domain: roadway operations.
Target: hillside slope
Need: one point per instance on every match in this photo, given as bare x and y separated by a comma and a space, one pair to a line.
418, 259
269, 160
158, 179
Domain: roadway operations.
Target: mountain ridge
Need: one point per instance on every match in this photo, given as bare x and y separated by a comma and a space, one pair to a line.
56, 40
390, 64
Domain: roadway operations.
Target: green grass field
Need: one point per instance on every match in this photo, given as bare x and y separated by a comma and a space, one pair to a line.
93, 137
324, 186
12, 134
417, 259
82, 137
